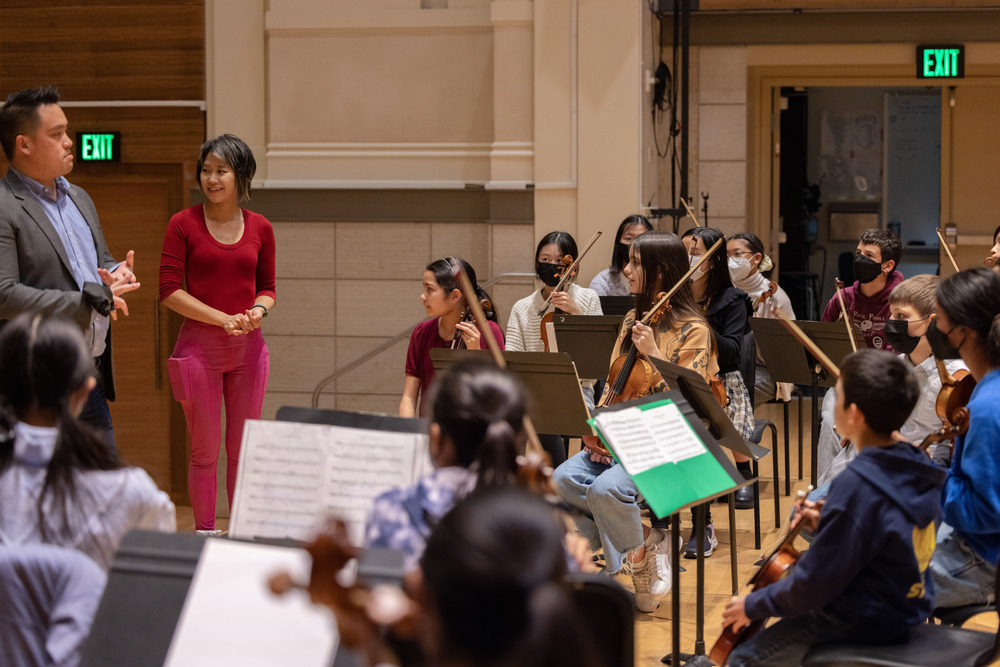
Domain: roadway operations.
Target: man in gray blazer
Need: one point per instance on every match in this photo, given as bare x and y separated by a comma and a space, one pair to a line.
53, 257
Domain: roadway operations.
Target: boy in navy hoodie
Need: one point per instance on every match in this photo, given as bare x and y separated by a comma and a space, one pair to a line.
864, 579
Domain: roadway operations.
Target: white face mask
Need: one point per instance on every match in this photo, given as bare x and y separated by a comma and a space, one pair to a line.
700, 273
739, 268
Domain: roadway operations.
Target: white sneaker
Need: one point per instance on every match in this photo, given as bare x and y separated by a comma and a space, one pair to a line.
651, 579
209, 533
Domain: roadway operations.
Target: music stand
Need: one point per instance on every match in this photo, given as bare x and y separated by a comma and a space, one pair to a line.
788, 361
695, 414
587, 339
693, 386
617, 305
558, 405
293, 413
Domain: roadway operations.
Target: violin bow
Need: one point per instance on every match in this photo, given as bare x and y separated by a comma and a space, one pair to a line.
807, 342
843, 310
477, 312
690, 213
947, 249
569, 272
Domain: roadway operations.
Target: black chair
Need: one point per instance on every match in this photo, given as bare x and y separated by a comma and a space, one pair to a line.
929, 645
958, 616
748, 369
597, 596
785, 405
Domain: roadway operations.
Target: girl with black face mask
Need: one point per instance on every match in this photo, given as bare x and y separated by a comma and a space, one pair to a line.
524, 326
611, 281
967, 318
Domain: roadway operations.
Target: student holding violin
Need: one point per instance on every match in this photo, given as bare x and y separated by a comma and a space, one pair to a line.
728, 311
450, 326
967, 324
555, 252
864, 579
751, 268
590, 481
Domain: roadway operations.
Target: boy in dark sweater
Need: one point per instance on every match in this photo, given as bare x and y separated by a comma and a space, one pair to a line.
864, 579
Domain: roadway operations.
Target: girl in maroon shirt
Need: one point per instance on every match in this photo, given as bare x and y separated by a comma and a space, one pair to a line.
217, 270
450, 326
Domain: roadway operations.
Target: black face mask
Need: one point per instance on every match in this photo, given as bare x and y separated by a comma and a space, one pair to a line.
866, 269
940, 346
898, 335
549, 273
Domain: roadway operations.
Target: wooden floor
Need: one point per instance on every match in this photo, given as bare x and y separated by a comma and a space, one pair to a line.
652, 631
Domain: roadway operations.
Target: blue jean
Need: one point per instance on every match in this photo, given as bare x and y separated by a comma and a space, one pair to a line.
961, 576
609, 500
97, 415
785, 643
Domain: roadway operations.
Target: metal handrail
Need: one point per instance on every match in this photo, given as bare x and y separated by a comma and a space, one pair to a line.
371, 354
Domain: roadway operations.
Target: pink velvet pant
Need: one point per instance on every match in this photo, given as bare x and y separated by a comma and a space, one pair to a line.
206, 367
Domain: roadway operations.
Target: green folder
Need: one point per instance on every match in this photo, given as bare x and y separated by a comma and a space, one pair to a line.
670, 486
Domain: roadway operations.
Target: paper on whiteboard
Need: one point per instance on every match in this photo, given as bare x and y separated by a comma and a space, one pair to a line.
230, 617
645, 439
293, 476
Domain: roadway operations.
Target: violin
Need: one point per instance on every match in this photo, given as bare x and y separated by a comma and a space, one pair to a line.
457, 341
772, 287
990, 261
950, 405
775, 567
631, 377
548, 318
843, 311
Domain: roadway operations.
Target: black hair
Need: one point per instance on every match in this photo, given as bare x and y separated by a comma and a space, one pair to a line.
884, 388
444, 275
44, 361
995, 232
481, 408
19, 114
971, 298
663, 261
718, 270
619, 255
566, 243
493, 572
889, 245
756, 247
237, 155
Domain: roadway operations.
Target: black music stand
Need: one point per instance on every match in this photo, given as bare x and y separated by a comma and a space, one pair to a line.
293, 413
695, 414
617, 305
588, 339
789, 361
558, 405
693, 387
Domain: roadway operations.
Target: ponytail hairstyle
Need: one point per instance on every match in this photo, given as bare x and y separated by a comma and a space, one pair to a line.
493, 574
44, 361
444, 274
619, 255
481, 408
971, 298
663, 260
718, 271
766, 266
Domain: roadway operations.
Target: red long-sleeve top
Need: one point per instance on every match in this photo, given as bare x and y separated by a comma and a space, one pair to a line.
228, 277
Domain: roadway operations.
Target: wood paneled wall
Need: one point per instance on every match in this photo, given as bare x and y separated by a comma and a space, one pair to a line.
105, 49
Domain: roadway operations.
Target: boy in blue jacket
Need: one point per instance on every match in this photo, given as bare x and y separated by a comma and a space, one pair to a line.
864, 579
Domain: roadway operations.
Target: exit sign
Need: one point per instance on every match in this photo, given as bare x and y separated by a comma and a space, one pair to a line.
99, 146
942, 61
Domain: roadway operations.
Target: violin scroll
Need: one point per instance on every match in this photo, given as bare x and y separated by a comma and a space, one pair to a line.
990, 261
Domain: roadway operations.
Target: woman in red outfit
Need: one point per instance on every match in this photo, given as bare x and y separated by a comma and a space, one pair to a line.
217, 270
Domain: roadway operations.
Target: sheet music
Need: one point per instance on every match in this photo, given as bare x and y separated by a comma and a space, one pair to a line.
645, 439
230, 586
293, 476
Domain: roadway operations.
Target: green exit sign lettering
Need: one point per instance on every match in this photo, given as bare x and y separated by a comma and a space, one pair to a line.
941, 61
99, 146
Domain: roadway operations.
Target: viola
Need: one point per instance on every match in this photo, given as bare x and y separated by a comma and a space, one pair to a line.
631, 376
775, 567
